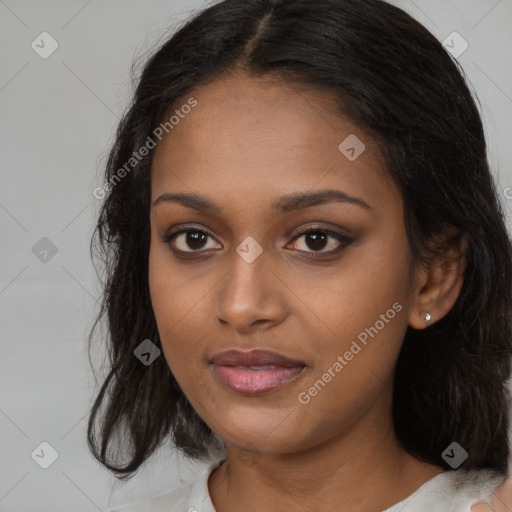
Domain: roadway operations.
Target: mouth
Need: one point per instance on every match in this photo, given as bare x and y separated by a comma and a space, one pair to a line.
255, 372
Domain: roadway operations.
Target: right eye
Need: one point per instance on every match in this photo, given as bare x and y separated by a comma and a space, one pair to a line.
188, 238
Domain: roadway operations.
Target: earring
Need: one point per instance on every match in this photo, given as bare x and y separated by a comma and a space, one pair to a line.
427, 318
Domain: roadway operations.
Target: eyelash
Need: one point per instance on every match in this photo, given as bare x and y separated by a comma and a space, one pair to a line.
344, 240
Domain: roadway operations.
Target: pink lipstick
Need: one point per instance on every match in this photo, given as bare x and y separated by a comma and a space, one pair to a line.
256, 371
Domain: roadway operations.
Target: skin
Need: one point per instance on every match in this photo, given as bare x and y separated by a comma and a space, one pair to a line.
248, 142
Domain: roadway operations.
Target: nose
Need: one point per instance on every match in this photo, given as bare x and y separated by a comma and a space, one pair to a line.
250, 296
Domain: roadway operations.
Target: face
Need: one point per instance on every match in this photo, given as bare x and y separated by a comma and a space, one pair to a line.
243, 274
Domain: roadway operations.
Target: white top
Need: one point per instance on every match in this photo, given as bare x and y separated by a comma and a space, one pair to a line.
451, 491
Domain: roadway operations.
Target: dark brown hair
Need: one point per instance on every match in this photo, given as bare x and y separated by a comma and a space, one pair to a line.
394, 80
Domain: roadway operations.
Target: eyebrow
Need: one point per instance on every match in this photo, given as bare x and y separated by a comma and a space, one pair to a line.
284, 204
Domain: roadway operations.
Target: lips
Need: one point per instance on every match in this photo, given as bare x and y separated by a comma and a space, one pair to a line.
254, 358
255, 372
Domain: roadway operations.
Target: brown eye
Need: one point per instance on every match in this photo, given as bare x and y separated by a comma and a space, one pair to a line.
317, 239
189, 240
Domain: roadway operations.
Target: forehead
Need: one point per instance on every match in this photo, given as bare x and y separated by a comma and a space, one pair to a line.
260, 138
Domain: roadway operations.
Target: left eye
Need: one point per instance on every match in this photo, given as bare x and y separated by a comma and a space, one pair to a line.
318, 239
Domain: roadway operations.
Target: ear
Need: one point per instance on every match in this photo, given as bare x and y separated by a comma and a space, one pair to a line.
437, 285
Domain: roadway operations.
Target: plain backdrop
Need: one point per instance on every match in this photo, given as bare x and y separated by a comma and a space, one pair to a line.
58, 116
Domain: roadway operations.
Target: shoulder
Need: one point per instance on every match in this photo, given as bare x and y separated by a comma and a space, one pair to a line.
193, 496
501, 499
171, 501
456, 491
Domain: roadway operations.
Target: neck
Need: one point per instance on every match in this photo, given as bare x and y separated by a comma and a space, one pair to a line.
361, 470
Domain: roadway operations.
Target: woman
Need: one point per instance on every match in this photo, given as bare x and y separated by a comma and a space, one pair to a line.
308, 268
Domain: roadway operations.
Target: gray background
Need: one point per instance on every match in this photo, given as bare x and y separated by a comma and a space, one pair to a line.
58, 119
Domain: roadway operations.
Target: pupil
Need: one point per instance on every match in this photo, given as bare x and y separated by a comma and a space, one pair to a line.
318, 240
194, 238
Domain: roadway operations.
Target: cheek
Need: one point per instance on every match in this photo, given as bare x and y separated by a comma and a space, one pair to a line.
170, 304
354, 364
172, 291
379, 278
360, 317
180, 304
369, 287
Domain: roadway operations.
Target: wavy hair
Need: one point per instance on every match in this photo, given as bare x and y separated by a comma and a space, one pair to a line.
392, 78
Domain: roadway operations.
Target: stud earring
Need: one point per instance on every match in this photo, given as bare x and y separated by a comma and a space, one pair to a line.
427, 318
